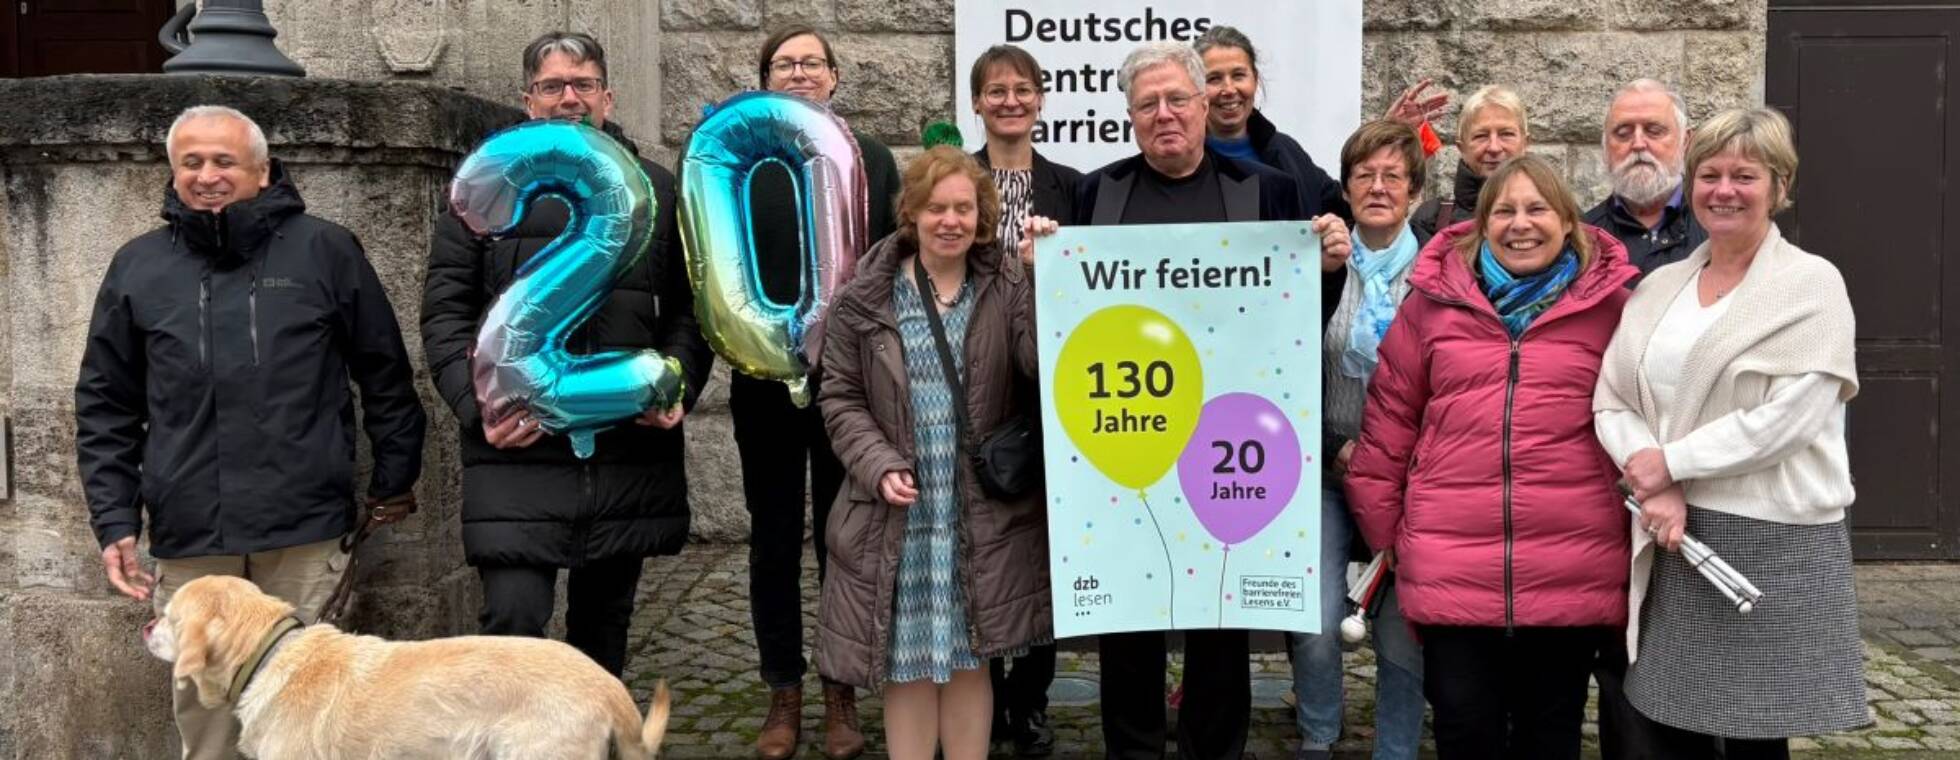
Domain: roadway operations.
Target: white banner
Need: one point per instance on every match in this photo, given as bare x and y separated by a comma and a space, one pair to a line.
1309, 66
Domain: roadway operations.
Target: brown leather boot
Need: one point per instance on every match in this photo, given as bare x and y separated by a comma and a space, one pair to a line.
782, 731
841, 738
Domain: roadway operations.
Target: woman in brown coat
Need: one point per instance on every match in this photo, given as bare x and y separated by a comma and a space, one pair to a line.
930, 576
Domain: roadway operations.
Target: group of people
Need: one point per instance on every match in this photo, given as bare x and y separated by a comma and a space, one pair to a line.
1491, 372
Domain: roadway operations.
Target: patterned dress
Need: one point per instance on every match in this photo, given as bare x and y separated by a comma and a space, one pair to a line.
1016, 202
929, 629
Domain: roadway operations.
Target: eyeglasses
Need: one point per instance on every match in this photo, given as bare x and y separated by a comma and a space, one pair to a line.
999, 95
1388, 180
552, 88
785, 67
1178, 102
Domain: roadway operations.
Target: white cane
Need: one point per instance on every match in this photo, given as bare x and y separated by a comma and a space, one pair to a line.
1734, 585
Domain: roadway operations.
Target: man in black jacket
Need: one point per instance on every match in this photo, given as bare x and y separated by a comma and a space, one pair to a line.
1174, 179
214, 391
530, 506
1646, 133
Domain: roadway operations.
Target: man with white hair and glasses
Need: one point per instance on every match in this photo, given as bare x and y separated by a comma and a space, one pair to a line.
1645, 135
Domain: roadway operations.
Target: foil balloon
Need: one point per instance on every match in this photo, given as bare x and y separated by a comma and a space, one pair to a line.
520, 357
756, 335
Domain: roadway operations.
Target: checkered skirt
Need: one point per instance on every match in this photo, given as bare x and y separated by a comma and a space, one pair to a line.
1792, 667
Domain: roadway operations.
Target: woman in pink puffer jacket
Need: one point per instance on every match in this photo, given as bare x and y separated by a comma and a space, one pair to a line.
1478, 465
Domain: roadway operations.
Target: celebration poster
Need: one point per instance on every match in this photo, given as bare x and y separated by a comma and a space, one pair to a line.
1180, 396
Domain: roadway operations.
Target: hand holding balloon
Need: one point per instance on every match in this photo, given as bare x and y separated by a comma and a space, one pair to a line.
520, 360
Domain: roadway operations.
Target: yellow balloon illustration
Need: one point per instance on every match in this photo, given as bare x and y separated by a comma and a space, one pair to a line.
1128, 390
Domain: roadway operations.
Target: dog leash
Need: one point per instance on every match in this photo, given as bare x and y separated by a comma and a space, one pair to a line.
343, 591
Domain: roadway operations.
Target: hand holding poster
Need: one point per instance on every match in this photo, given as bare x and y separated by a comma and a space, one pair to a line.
1181, 400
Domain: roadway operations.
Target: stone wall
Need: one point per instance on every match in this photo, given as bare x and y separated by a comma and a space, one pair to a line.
82, 173
897, 70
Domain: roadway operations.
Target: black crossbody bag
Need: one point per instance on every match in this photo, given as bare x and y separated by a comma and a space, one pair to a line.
1008, 463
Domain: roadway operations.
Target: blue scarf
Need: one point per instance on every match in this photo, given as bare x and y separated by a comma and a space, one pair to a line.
1519, 300
1378, 271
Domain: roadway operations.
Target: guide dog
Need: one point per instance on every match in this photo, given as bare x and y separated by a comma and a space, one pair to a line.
317, 692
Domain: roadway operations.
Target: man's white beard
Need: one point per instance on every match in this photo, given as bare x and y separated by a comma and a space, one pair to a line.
1640, 179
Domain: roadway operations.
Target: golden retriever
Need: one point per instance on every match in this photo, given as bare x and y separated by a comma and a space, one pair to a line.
325, 694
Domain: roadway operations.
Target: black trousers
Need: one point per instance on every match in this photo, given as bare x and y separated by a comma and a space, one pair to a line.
1516, 695
1023, 689
1217, 707
517, 601
1624, 734
778, 444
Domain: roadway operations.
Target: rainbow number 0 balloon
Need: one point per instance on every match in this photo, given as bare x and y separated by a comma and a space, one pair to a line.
756, 335
520, 356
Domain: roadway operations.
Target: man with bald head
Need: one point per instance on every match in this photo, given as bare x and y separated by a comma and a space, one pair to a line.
1645, 137
214, 394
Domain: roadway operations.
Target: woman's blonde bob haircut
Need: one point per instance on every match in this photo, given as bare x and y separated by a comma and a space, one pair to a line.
1546, 179
1758, 134
1491, 96
925, 172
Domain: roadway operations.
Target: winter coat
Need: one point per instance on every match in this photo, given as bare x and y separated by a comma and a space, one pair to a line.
1463, 204
214, 385
1320, 193
1477, 460
867, 408
542, 505
1679, 234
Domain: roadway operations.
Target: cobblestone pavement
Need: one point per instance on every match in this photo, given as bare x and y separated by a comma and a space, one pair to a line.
692, 629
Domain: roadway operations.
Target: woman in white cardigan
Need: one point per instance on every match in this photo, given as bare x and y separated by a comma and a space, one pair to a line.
1722, 397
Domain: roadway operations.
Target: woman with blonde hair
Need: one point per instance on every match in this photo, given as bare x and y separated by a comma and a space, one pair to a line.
1723, 399
1492, 128
930, 573
1477, 466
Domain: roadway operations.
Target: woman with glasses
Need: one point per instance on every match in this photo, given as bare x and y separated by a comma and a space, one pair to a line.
776, 439
1382, 169
1007, 95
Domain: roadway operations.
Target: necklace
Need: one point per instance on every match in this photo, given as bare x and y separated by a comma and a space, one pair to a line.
944, 301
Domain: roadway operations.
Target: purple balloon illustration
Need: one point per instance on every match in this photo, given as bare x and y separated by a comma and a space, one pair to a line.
1242, 466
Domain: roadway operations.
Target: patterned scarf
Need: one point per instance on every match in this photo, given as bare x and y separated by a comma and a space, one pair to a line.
1519, 300
1378, 271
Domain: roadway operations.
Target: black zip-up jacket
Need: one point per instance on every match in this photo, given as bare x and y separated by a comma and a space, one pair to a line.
542, 505
214, 387
1678, 235
1320, 192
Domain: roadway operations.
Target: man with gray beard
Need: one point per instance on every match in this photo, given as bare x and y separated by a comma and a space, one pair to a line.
1646, 133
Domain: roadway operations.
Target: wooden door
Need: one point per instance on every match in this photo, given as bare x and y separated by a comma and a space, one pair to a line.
1867, 90
52, 37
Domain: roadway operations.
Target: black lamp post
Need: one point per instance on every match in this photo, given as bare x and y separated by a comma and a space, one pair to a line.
227, 37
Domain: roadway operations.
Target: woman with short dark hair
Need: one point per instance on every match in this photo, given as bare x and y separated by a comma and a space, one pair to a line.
775, 438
